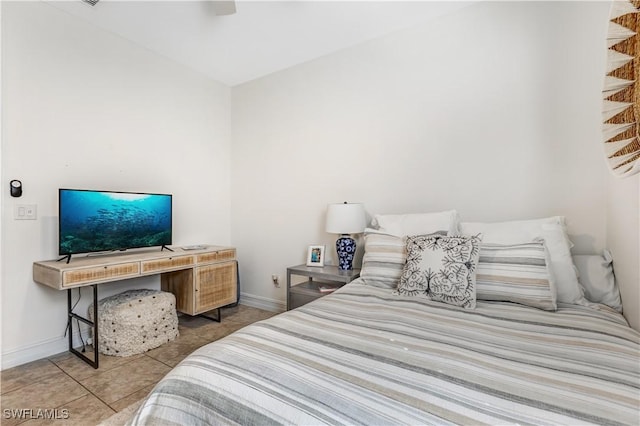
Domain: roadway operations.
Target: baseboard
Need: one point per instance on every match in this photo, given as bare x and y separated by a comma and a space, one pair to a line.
44, 349
54, 346
260, 302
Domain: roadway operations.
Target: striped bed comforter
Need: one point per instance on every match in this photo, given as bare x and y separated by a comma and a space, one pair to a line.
365, 356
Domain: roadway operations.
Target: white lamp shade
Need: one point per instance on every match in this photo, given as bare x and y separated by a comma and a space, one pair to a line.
346, 218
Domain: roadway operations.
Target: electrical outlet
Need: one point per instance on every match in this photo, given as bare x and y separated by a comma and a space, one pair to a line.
276, 280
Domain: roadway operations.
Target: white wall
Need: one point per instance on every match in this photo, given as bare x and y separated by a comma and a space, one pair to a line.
1, 214
83, 108
494, 111
623, 239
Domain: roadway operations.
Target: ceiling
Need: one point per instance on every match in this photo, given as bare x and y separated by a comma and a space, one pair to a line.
261, 38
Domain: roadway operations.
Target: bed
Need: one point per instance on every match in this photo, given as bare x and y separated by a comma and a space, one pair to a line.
365, 355
449, 323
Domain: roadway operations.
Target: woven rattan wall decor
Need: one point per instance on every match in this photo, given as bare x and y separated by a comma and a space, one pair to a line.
621, 106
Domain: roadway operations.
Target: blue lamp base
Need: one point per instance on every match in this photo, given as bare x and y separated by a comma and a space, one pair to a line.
346, 248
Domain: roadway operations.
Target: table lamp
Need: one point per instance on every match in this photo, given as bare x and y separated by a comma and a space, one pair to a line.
345, 219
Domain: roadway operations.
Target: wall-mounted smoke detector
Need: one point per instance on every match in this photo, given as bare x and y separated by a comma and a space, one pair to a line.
91, 2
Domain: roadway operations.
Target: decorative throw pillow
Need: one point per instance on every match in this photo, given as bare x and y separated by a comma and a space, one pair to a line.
441, 268
384, 258
516, 273
553, 230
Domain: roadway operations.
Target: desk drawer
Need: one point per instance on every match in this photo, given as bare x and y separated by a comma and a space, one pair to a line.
160, 265
100, 273
217, 256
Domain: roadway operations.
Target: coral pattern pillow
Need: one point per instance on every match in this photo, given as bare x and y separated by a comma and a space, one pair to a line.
441, 268
384, 258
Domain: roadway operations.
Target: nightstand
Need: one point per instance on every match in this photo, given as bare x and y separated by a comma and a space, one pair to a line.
307, 291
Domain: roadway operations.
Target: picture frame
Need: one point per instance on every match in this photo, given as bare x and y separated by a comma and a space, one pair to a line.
315, 256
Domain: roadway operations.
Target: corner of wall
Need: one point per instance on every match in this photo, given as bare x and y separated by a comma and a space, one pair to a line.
623, 239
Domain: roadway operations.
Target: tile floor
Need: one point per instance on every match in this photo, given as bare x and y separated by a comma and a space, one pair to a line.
89, 396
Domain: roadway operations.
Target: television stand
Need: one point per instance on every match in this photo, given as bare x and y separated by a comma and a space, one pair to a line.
68, 257
202, 280
165, 247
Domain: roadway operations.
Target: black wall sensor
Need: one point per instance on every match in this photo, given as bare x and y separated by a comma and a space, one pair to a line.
16, 188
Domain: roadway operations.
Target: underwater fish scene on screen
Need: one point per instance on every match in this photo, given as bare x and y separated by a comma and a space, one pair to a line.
92, 221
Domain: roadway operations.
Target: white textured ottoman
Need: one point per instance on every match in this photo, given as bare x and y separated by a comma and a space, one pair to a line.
135, 321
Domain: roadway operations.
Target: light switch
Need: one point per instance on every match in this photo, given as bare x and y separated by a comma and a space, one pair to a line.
25, 212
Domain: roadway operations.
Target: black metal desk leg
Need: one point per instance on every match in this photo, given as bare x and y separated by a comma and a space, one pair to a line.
93, 324
218, 319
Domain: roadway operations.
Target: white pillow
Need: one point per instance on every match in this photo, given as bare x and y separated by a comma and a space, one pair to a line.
402, 225
597, 279
553, 231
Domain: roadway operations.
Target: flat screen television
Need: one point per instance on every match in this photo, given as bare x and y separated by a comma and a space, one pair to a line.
101, 221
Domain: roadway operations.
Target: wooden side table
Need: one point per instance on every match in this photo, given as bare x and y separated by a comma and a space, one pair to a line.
307, 291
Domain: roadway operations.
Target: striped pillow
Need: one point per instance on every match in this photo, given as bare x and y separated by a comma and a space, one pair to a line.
516, 273
384, 257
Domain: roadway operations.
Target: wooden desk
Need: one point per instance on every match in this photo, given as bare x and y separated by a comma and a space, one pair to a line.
202, 280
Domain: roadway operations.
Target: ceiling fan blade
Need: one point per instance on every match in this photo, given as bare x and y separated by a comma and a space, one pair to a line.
224, 7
